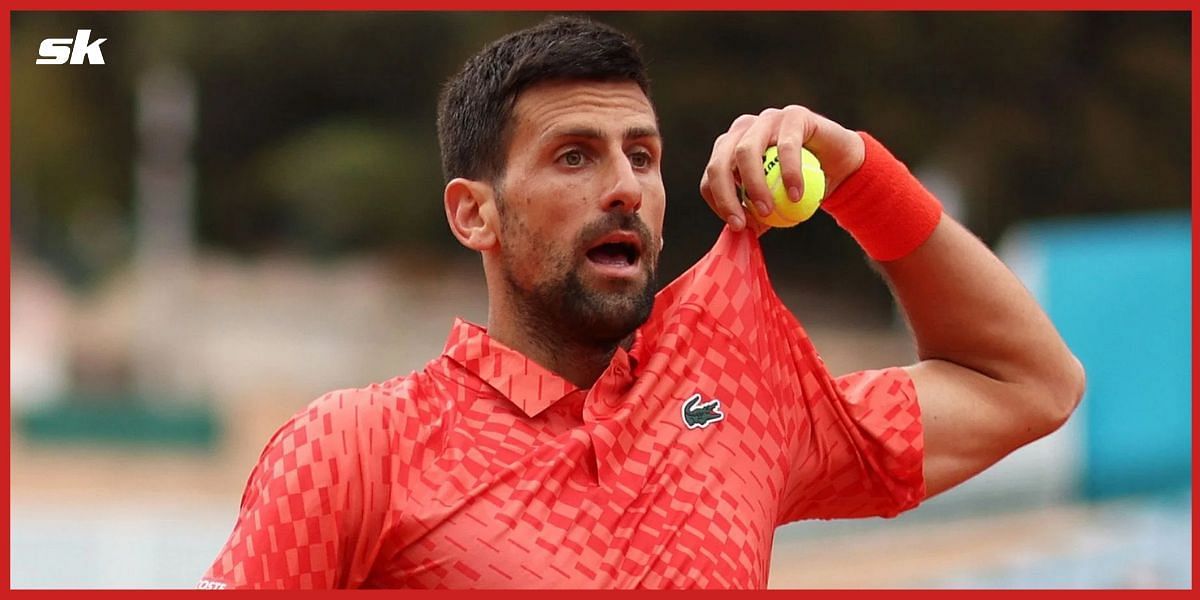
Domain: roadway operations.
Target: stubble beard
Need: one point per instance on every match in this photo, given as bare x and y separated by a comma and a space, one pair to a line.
563, 308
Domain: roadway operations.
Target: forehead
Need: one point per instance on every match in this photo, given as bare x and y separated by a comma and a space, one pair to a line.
609, 107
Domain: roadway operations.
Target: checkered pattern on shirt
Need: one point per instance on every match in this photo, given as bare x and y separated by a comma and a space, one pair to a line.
486, 470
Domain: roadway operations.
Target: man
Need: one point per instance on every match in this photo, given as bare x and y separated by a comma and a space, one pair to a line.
596, 435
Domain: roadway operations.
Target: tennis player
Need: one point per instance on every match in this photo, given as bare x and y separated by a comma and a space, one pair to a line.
593, 434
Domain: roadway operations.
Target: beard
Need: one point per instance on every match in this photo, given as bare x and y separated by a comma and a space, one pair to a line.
563, 304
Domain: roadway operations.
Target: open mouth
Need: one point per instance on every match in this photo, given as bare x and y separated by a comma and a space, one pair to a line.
620, 249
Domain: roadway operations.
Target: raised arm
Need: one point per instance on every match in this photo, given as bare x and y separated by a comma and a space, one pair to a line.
993, 373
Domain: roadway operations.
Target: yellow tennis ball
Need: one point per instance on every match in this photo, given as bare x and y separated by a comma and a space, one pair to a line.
788, 213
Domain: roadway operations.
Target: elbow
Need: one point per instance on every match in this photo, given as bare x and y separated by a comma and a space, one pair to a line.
1060, 395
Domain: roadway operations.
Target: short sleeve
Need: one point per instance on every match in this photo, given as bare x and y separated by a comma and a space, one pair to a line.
856, 441
863, 455
310, 515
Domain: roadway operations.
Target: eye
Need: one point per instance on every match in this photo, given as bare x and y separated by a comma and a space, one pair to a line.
572, 158
641, 159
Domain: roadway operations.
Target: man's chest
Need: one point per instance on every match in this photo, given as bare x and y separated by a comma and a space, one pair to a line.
671, 481
556, 517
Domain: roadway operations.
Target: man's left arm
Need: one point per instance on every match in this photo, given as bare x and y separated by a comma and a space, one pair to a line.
993, 373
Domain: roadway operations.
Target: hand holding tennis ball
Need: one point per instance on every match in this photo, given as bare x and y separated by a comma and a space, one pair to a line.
788, 213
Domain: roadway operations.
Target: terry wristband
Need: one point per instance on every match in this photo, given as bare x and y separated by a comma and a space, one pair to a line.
883, 206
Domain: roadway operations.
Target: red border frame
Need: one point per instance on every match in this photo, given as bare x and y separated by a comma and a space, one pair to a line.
552, 5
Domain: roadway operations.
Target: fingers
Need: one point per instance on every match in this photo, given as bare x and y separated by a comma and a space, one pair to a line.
737, 157
796, 127
748, 159
718, 186
758, 227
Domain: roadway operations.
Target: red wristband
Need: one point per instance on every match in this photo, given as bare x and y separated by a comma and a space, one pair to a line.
887, 211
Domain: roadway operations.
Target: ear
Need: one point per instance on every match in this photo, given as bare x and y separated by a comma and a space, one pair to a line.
471, 212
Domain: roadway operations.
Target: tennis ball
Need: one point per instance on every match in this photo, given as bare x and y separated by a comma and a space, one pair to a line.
788, 213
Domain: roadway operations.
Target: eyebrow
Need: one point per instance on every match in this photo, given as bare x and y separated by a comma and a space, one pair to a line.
635, 132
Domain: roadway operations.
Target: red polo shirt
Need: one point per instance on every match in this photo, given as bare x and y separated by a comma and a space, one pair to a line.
486, 470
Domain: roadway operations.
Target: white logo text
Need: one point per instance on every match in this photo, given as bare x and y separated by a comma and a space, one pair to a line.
58, 51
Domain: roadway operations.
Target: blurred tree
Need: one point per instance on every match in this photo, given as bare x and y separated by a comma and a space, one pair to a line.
329, 179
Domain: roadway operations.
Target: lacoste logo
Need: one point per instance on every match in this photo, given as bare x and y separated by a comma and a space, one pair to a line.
701, 414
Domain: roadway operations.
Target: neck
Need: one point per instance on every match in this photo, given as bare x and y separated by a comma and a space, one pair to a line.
575, 360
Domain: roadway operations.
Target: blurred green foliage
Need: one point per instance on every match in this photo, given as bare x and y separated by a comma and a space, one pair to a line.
316, 130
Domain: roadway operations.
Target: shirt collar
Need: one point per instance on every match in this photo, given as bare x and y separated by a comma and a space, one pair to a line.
528, 385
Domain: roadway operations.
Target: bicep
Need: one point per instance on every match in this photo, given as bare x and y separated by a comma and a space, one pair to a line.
968, 421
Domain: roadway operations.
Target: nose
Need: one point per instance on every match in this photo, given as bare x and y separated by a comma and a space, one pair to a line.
625, 193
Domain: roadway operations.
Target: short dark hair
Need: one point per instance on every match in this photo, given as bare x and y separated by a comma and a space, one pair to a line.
476, 104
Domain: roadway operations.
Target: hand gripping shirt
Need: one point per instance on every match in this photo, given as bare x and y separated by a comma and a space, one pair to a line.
484, 469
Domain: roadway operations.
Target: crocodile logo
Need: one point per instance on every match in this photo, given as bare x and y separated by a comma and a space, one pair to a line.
701, 414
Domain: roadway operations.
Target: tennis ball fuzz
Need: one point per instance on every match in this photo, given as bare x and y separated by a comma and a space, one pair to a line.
786, 212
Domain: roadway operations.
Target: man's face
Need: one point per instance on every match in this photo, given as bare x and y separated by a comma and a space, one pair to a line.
581, 206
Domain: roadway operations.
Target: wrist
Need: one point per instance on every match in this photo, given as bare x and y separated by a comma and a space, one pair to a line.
883, 206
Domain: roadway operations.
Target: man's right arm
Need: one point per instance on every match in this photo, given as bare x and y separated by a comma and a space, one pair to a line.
302, 522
